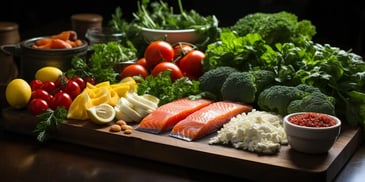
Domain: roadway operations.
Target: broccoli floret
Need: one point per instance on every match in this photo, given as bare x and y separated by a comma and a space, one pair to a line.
307, 88
314, 102
275, 28
239, 86
263, 79
212, 80
290, 99
278, 97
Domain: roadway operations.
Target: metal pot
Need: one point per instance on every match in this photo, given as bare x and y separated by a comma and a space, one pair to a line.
32, 59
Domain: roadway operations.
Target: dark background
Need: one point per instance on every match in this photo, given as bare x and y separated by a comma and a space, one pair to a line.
338, 22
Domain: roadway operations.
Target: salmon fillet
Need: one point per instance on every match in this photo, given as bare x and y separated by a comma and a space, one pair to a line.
207, 120
167, 115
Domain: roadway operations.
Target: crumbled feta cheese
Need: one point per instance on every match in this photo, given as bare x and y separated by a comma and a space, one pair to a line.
256, 131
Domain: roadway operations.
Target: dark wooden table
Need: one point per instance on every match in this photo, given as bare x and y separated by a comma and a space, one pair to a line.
22, 158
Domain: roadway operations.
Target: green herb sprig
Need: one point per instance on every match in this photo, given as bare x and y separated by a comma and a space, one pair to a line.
50, 119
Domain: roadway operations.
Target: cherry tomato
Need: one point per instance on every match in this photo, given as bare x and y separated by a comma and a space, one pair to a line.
61, 99
61, 81
192, 63
181, 49
90, 80
37, 106
158, 51
72, 88
142, 62
36, 84
79, 81
134, 70
162, 67
42, 94
49, 86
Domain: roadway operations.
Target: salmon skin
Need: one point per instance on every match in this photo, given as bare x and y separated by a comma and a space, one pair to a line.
166, 116
207, 120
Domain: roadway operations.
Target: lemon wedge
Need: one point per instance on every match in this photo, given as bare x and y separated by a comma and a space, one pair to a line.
101, 114
79, 107
131, 82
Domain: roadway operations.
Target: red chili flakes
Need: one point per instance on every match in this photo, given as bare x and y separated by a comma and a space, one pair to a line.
311, 119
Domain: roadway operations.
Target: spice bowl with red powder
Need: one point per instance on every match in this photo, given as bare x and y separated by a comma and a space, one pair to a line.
311, 132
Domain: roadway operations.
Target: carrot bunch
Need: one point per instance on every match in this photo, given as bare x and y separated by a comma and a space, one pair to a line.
63, 40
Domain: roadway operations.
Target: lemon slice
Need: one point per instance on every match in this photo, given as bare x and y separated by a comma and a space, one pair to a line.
101, 114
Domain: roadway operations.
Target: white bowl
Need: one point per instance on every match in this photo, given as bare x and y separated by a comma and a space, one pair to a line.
308, 139
171, 36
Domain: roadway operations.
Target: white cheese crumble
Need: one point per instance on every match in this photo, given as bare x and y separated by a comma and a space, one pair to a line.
256, 131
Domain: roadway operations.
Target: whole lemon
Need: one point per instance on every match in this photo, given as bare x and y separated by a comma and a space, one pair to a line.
50, 73
18, 93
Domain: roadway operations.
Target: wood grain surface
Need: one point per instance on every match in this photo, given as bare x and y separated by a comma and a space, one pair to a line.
287, 164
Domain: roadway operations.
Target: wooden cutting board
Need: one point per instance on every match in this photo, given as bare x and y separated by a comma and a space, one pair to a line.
287, 165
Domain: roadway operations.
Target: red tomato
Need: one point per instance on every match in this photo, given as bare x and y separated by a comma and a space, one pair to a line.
142, 62
90, 80
42, 94
162, 67
158, 51
79, 81
37, 106
134, 70
61, 81
181, 49
49, 86
61, 99
72, 88
192, 63
36, 84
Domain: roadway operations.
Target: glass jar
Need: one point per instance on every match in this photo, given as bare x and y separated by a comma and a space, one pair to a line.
97, 35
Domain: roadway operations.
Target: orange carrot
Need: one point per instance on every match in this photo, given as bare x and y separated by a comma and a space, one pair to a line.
43, 41
63, 40
60, 44
63, 36
78, 42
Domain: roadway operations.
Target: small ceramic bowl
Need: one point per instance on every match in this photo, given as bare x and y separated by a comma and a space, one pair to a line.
308, 138
171, 36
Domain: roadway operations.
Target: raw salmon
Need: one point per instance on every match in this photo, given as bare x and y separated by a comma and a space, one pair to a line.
207, 120
167, 115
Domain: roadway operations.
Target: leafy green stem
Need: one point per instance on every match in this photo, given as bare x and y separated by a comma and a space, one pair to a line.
50, 119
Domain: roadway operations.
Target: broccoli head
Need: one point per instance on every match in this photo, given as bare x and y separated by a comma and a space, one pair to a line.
278, 97
275, 28
239, 86
212, 80
263, 79
314, 102
290, 99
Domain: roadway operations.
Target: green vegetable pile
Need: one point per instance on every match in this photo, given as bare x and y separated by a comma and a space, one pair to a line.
167, 90
275, 28
103, 61
294, 59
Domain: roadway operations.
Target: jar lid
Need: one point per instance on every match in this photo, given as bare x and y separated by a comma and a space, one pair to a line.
87, 17
8, 26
